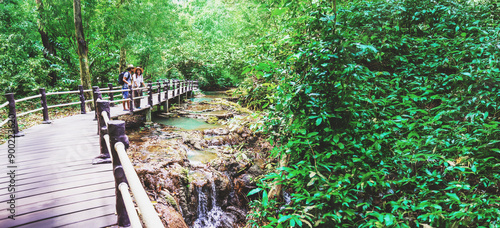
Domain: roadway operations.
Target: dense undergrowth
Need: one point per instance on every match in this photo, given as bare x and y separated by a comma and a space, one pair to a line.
386, 115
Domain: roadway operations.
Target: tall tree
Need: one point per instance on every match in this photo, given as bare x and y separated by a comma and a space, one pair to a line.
123, 59
83, 49
49, 47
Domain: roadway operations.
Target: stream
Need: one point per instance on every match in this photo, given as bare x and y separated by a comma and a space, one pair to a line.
199, 162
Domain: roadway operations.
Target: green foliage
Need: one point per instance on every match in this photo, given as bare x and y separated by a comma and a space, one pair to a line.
388, 112
199, 40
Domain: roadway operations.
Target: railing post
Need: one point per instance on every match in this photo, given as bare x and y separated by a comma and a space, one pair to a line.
116, 130
160, 84
82, 99
97, 94
150, 94
103, 157
174, 83
131, 96
167, 88
13, 115
111, 96
43, 99
180, 92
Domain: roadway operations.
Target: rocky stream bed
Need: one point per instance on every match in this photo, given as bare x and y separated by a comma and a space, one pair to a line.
199, 162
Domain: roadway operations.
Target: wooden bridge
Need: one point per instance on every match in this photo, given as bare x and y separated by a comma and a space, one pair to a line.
48, 177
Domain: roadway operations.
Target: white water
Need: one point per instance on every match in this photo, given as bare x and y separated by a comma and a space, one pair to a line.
208, 217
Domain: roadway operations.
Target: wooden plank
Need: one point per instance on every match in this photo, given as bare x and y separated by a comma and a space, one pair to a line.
35, 184
56, 183
49, 197
101, 221
66, 217
49, 212
41, 169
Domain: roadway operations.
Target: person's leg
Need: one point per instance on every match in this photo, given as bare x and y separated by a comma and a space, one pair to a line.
125, 103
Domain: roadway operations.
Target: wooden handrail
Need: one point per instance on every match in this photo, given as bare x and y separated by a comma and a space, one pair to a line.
179, 87
4, 104
28, 98
148, 213
66, 104
28, 112
135, 222
62, 92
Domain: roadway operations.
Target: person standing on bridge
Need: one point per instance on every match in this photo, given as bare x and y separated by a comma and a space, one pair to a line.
137, 80
127, 81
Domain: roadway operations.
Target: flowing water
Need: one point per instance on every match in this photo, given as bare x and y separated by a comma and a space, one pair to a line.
209, 96
209, 214
185, 123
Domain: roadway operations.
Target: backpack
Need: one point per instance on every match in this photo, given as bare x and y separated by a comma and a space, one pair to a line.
120, 78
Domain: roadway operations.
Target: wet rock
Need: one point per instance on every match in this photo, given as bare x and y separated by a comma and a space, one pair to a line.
170, 217
243, 185
199, 178
212, 120
227, 220
223, 187
239, 213
170, 200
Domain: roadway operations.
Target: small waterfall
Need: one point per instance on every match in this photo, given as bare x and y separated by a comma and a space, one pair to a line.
211, 218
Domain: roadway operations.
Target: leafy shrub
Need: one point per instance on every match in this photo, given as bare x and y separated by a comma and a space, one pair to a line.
386, 115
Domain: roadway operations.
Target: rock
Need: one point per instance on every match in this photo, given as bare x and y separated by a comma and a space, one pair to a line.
222, 184
199, 178
239, 213
170, 199
255, 170
170, 216
212, 120
227, 220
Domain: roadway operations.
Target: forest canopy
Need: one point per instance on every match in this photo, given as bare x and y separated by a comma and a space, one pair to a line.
205, 40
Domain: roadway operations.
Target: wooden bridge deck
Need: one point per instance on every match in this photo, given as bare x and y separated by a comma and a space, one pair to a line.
56, 184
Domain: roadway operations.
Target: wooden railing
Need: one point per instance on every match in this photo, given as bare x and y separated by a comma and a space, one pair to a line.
113, 144
166, 85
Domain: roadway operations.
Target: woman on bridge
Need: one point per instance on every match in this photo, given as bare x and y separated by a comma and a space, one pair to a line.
137, 80
127, 82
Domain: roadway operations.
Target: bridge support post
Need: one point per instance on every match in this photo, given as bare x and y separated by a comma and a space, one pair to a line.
111, 96
148, 116
12, 115
45, 111
116, 129
104, 156
82, 99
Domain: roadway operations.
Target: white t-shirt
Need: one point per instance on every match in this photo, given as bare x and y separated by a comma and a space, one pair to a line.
137, 80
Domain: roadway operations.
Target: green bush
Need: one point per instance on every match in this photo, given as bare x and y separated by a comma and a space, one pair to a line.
388, 113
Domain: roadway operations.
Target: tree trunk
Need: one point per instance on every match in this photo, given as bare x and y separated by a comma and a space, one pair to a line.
277, 189
123, 60
82, 50
49, 48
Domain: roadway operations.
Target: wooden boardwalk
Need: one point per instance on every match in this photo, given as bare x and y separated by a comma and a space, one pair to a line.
56, 184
